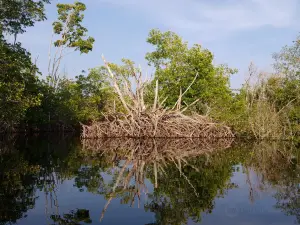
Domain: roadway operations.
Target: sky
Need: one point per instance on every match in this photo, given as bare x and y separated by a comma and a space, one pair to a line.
237, 32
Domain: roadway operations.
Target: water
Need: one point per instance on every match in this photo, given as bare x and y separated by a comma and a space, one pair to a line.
59, 180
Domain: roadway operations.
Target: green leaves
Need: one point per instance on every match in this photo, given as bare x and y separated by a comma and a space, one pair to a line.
83, 99
17, 83
18, 89
71, 35
16, 15
57, 27
68, 27
287, 61
177, 65
168, 46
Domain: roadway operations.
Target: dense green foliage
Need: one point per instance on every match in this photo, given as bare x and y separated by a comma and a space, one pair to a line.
17, 72
81, 100
177, 66
31, 102
17, 84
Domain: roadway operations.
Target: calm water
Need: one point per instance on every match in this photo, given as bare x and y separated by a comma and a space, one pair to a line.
59, 180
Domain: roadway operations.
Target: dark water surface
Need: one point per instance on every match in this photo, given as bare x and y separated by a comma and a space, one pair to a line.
61, 180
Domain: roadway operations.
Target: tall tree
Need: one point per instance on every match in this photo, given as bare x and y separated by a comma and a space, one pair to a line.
71, 35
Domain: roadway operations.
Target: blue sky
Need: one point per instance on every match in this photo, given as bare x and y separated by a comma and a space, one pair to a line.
236, 31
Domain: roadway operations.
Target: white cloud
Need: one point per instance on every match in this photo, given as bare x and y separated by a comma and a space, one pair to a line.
215, 16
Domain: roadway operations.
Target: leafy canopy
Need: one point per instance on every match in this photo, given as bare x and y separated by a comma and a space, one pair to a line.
16, 15
17, 83
177, 65
18, 74
69, 27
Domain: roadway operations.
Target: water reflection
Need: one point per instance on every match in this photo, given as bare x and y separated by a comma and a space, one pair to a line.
176, 181
74, 217
171, 165
277, 166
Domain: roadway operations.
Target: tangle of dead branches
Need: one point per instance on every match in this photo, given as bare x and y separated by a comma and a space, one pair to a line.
141, 120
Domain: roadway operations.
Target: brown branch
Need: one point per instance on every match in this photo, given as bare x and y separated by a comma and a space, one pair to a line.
116, 86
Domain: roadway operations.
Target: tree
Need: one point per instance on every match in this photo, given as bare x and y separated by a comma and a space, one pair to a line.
83, 99
287, 61
177, 66
17, 84
71, 35
18, 73
94, 93
16, 15
284, 89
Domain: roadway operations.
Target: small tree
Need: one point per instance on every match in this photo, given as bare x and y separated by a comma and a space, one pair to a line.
72, 35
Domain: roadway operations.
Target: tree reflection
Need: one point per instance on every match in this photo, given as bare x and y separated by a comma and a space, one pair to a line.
74, 217
187, 175
17, 185
180, 198
277, 167
25, 167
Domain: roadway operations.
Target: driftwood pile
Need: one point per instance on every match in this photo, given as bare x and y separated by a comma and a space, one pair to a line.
140, 120
159, 124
